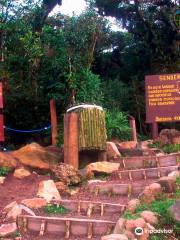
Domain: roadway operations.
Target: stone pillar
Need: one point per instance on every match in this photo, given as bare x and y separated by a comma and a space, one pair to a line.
71, 143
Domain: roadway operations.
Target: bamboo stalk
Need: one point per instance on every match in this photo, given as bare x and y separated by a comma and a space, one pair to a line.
42, 228
67, 235
130, 176
25, 223
159, 173
129, 190
79, 208
96, 191
89, 210
124, 165
144, 174
102, 209
120, 176
90, 230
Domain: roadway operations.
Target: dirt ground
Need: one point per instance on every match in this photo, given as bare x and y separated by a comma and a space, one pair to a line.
15, 189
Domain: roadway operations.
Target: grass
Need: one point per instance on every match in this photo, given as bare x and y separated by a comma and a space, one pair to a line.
167, 148
128, 215
171, 148
161, 207
55, 209
4, 171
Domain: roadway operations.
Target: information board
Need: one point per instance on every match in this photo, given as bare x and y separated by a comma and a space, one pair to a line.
162, 98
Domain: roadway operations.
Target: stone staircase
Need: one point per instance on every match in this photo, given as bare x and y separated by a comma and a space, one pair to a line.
94, 211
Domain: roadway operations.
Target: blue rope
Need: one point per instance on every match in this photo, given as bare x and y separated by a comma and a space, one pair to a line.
27, 131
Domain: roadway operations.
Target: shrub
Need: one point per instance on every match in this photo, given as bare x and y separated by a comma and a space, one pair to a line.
4, 171
117, 125
55, 209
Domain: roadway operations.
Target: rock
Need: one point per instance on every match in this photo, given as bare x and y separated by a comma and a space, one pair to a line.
8, 229
35, 156
129, 234
112, 151
34, 202
145, 144
175, 211
176, 140
8, 160
168, 184
115, 237
150, 193
61, 187
146, 196
66, 174
119, 226
57, 152
149, 217
12, 211
2, 179
47, 190
145, 234
21, 173
132, 224
128, 145
85, 175
169, 136
132, 205
156, 189
103, 167
74, 191
174, 174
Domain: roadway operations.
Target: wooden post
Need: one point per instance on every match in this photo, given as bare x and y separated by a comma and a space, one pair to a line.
154, 130
54, 128
132, 123
71, 143
2, 138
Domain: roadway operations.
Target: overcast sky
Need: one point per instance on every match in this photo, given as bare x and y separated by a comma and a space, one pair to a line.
69, 7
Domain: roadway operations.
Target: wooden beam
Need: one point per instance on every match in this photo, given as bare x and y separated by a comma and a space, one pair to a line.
54, 127
71, 143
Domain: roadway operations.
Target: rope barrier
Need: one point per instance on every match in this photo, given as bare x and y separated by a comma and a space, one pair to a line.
27, 131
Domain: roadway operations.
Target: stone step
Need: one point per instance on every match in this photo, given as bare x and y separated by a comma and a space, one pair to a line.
130, 189
142, 174
91, 208
148, 161
65, 227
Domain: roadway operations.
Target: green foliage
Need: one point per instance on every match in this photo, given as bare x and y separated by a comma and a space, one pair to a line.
117, 125
171, 148
55, 209
4, 171
167, 148
129, 215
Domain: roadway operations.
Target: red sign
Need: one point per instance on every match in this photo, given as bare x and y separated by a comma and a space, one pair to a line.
163, 98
